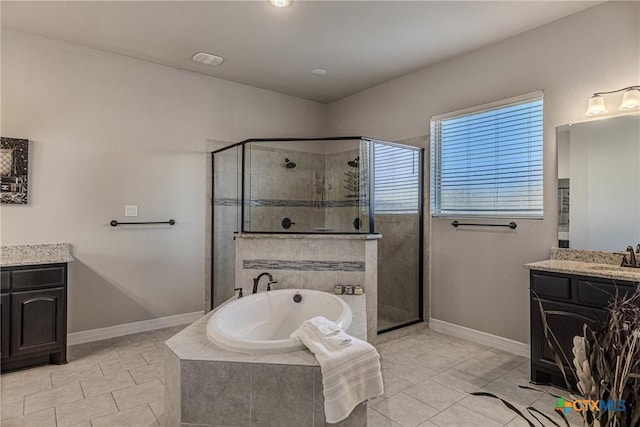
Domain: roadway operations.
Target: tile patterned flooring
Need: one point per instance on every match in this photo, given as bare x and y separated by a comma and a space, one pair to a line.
427, 375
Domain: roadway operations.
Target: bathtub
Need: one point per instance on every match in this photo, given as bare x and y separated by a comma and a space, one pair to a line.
262, 323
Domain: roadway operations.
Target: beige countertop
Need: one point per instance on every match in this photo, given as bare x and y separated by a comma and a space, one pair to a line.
607, 271
50, 253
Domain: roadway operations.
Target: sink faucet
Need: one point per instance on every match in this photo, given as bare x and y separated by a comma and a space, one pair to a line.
257, 280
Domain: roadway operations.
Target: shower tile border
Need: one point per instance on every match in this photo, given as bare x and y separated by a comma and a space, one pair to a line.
303, 265
231, 201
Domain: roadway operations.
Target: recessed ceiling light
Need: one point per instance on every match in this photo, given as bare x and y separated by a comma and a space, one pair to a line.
319, 72
207, 58
280, 3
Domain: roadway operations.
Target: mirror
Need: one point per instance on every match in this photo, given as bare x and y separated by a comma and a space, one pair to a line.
599, 184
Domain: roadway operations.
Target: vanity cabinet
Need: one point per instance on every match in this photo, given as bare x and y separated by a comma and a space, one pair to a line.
569, 302
34, 315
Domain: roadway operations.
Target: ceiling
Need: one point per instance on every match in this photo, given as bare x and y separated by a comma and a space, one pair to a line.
360, 43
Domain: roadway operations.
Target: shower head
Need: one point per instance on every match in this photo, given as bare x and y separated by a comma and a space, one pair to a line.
289, 164
354, 163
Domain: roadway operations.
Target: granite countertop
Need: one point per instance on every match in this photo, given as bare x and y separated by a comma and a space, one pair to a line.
607, 271
307, 236
51, 253
192, 343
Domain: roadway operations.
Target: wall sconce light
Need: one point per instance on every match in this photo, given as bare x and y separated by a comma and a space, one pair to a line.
630, 101
280, 3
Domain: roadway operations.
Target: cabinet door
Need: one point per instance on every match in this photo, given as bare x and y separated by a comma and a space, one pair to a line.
6, 315
5, 280
37, 321
565, 321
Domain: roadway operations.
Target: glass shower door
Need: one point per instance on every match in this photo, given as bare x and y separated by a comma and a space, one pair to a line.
226, 221
398, 217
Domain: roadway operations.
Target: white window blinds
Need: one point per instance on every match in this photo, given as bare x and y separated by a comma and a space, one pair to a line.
488, 161
397, 179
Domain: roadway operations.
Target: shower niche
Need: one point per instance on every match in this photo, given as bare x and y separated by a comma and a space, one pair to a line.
342, 185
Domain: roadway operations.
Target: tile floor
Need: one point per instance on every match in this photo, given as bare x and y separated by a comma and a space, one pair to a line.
119, 382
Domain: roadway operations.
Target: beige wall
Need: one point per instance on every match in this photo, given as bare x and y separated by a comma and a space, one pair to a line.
477, 279
106, 131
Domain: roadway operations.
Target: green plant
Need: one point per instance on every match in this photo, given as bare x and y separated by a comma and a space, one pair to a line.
606, 362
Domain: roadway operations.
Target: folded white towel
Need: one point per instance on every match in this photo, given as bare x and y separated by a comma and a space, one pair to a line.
324, 326
350, 370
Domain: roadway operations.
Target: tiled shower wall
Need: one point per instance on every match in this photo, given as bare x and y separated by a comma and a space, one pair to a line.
312, 194
277, 192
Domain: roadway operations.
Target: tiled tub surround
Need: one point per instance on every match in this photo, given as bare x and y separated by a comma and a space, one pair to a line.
51, 253
586, 263
312, 261
209, 386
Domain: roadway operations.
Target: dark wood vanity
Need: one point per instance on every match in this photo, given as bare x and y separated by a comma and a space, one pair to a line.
34, 315
569, 301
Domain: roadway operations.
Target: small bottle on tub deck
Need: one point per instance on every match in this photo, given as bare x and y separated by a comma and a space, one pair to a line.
358, 290
348, 290
338, 290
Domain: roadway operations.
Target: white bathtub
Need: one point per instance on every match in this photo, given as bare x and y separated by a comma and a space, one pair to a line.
262, 323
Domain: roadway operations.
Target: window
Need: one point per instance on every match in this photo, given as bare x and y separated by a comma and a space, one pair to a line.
487, 161
397, 179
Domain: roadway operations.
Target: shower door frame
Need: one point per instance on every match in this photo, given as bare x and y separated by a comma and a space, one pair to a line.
421, 152
370, 202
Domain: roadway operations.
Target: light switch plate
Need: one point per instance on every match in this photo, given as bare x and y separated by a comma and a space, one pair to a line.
131, 210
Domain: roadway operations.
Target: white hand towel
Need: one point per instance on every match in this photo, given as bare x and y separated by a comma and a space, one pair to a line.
324, 326
350, 372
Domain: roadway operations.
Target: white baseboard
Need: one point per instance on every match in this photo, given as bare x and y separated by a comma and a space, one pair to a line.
132, 328
504, 344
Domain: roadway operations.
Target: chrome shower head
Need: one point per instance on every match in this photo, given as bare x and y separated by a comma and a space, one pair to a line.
289, 164
355, 163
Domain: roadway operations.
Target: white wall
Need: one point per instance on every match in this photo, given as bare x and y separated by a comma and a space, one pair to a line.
106, 131
477, 279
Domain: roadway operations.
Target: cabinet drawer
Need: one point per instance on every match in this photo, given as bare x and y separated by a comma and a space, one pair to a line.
551, 286
35, 278
5, 280
594, 292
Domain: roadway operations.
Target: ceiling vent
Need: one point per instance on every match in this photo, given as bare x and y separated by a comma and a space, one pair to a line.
207, 58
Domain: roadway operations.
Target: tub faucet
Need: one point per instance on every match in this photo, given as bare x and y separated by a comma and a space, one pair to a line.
257, 280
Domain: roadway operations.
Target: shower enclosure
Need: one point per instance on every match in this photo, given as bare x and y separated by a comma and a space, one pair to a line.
345, 185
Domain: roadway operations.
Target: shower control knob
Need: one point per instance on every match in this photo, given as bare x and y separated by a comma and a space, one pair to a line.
286, 223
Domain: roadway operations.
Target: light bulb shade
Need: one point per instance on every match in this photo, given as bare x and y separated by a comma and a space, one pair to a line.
596, 106
630, 100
